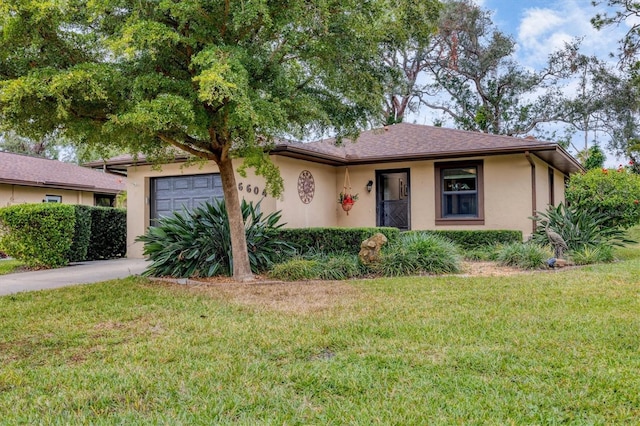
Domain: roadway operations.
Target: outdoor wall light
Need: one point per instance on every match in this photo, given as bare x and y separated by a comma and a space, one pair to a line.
369, 186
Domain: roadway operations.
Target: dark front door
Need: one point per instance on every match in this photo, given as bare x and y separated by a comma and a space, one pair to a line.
393, 196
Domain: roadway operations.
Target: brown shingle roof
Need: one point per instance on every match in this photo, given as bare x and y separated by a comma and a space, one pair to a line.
25, 170
404, 141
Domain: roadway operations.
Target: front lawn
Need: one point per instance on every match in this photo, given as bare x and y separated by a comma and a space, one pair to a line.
536, 348
9, 266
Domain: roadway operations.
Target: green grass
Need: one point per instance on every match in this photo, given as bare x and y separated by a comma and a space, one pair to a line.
9, 266
630, 251
542, 348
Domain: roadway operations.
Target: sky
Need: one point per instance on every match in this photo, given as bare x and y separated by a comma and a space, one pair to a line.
540, 27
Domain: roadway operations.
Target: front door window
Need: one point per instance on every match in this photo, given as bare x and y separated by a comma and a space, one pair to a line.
393, 195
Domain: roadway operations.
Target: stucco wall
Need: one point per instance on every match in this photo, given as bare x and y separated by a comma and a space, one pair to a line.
17, 194
321, 210
507, 194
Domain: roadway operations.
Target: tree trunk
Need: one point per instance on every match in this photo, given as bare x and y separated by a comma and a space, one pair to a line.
241, 266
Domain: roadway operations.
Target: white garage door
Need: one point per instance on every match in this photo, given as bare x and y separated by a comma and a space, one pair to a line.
176, 193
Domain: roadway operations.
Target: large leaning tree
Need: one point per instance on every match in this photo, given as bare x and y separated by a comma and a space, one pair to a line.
410, 28
218, 79
475, 81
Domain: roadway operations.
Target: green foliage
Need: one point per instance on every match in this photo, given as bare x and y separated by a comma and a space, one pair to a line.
319, 266
613, 193
253, 71
592, 254
468, 240
595, 158
108, 233
297, 269
198, 242
333, 240
484, 253
481, 87
40, 235
81, 234
8, 266
579, 228
217, 79
417, 253
523, 255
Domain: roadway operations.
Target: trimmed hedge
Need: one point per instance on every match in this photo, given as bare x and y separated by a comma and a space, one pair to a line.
51, 235
347, 240
38, 234
81, 235
474, 239
333, 240
108, 233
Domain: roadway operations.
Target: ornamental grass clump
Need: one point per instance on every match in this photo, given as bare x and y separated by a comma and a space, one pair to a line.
419, 253
523, 255
588, 255
296, 269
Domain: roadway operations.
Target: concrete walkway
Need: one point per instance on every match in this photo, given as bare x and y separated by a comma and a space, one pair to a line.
76, 273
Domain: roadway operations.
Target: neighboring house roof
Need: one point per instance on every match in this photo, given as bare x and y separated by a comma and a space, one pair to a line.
403, 142
25, 170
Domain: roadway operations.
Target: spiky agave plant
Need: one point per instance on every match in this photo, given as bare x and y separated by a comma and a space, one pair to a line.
197, 243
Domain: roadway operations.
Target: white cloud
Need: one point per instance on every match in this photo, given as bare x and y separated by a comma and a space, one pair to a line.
543, 30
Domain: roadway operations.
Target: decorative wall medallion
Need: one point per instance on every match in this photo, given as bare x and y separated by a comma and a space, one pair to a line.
306, 186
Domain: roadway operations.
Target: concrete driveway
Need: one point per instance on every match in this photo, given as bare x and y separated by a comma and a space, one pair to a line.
76, 273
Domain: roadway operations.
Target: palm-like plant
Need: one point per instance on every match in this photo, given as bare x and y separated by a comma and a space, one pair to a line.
578, 227
197, 243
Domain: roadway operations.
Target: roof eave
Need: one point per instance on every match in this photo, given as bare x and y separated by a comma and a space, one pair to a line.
61, 185
567, 164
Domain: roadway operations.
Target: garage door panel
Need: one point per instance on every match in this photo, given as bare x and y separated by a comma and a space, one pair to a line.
163, 185
180, 184
177, 193
198, 201
179, 204
202, 183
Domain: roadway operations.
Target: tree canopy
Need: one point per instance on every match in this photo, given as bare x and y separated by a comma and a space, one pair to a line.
410, 30
476, 83
216, 79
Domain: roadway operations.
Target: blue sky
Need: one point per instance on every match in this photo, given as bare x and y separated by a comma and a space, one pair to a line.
542, 26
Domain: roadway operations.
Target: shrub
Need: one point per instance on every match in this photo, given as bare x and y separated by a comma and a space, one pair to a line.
198, 242
613, 193
578, 227
523, 255
297, 269
489, 252
81, 235
419, 252
40, 235
468, 240
592, 254
108, 233
333, 240
341, 267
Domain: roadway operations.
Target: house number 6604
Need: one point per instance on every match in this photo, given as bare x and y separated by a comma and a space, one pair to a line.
251, 188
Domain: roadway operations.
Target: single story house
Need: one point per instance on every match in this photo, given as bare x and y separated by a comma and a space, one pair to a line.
406, 175
28, 179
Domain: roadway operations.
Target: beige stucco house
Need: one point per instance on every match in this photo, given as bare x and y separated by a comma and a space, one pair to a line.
27, 179
407, 176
